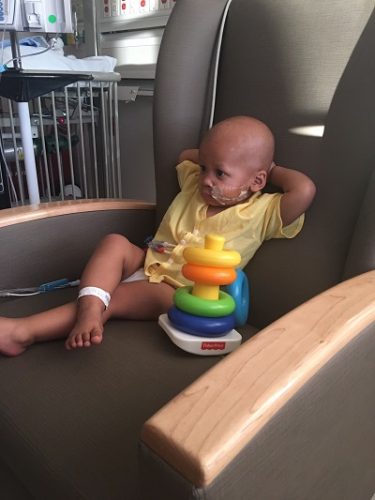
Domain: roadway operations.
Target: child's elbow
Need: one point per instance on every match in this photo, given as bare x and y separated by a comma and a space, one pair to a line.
309, 191
182, 156
189, 154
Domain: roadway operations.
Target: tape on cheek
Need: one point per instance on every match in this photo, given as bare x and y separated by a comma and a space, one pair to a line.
229, 195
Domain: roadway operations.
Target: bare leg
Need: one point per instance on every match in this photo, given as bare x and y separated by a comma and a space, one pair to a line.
137, 300
16, 334
114, 259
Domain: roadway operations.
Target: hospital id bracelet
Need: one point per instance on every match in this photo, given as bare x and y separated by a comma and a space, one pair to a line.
101, 294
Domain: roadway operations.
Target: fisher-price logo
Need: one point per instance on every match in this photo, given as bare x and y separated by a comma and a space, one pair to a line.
209, 346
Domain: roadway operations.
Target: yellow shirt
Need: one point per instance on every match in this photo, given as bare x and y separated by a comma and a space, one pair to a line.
245, 226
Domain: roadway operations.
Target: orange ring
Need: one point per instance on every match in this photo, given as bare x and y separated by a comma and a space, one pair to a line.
209, 275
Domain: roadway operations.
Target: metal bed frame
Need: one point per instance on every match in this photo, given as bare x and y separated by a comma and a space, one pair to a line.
75, 137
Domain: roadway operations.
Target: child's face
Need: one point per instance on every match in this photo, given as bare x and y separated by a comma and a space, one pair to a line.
225, 179
234, 156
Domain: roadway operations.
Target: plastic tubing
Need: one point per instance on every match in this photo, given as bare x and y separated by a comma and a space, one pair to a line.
209, 275
192, 304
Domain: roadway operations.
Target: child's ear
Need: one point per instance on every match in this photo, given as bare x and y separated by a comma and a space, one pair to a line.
258, 181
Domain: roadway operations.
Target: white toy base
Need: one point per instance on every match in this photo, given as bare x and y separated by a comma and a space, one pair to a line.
204, 346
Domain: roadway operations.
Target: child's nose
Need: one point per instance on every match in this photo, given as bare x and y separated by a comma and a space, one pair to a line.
207, 180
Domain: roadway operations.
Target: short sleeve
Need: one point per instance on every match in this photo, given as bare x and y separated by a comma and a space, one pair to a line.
187, 174
273, 226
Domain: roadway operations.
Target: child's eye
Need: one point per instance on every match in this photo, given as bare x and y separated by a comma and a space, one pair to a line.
219, 173
203, 168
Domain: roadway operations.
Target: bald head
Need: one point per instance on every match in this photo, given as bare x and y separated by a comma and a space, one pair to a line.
247, 141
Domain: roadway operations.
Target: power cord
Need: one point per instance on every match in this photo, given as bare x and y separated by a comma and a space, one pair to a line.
5, 65
37, 290
9, 173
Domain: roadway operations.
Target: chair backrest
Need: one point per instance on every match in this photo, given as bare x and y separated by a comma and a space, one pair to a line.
291, 64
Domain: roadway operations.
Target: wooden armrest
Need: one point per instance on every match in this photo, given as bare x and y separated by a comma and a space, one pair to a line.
201, 430
11, 216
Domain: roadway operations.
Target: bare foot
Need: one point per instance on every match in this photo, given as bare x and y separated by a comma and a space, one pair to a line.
88, 329
13, 337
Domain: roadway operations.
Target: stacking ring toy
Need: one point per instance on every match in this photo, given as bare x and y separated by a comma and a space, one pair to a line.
208, 257
239, 291
209, 275
192, 304
199, 325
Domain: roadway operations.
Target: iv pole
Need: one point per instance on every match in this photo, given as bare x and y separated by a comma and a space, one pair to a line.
25, 129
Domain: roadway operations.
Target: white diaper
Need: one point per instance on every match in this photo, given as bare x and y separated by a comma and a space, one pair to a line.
139, 275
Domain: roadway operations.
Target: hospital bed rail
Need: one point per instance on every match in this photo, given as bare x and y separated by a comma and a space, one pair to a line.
75, 136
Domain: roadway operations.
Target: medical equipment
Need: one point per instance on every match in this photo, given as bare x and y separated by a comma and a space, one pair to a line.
131, 31
36, 290
47, 16
4, 194
159, 246
75, 134
229, 194
67, 142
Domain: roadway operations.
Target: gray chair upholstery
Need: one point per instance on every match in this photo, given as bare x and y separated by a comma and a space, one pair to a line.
290, 65
70, 421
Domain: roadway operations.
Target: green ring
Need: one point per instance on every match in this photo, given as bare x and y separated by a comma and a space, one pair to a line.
192, 304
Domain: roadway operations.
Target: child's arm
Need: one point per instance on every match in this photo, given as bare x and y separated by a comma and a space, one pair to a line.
189, 154
299, 191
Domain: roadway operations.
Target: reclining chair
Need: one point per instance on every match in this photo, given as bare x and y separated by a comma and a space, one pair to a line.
288, 415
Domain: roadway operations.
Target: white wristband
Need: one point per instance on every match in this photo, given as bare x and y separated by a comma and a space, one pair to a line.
104, 296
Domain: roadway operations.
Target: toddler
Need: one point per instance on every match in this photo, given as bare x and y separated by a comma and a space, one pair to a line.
221, 192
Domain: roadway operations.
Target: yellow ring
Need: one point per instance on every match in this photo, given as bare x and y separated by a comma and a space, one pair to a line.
209, 275
207, 257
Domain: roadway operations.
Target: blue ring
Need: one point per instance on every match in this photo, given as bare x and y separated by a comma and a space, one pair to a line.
200, 325
239, 290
